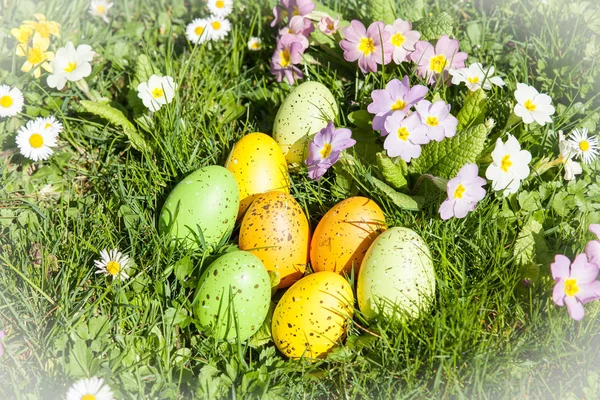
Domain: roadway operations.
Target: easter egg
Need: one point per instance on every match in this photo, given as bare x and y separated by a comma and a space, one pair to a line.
396, 276
234, 289
276, 230
344, 235
303, 113
310, 318
258, 165
204, 204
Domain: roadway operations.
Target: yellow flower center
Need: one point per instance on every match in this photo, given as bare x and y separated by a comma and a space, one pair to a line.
530, 106
198, 31
113, 267
22, 34
459, 191
571, 288
220, 4
88, 397
399, 105
71, 67
474, 79
48, 125
584, 145
403, 134
157, 93
6, 101
397, 39
330, 26
326, 150
100, 9
286, 58
36, 141
505, 163
432, 121
366, 46
436, 64
216, 25
296, 11
35, 55
255, 45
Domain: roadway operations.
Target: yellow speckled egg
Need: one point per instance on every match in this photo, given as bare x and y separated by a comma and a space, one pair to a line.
258, 165
275, 229
344, 235
310, 319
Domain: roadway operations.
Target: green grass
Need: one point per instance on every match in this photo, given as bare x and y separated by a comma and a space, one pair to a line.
486, 336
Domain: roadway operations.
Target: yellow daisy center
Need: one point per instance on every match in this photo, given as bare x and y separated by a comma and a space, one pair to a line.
571, 288
255, 45
403, 134
326, 150
432, 121
100, 9
6, 101
36, 141
286, 58
48, 125
505, 164
157, 93
113, 267
199, 30
474, 79
71, 67
216, 25
366, 46
220, 4
35, 55
296, 11
584, 145
436, 64
459, 191
530, 106
22, 34
88, 397
397, 39
399, 105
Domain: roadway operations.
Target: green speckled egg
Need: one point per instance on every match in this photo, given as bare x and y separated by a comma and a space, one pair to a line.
206, 201
303, 113
244, 276
397, 271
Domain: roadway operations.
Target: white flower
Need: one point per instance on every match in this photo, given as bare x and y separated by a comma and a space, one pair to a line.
197, 31
220, 8
52, 124
90, 389
11, 101
70, 64
218, 28
584, 147
158, 91
254, 44
475, 77
567, 152
509, 167
113, 263
99, 8
35, 141
533, 106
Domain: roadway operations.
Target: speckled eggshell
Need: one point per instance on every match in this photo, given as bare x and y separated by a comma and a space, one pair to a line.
250, 286
207, 198
397, 270
303, 113
344, 235
310, 319
276, 230
258, 165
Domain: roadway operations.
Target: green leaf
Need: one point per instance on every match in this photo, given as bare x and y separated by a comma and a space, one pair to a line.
382, 10
394, 174
361, 118
413, 10
402, 200
433, 27
445, 158
174, 316
263, 334
275, 278
531, 246
143, 69
473, 111
183, 268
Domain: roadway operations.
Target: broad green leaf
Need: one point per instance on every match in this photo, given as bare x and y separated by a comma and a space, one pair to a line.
402, 200
382, 10
361, 118
531, 246
183, 268
174, 316
433, 27
473, 111
143, 69
412, 10
394, 174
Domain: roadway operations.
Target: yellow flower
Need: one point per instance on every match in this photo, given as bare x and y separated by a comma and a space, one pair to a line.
37, 56
22, 33
43, 27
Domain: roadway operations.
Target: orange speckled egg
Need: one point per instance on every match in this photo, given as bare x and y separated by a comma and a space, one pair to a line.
310, 319
344, 235
258, 165
275, 229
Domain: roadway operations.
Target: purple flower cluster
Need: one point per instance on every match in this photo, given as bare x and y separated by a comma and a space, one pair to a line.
325, 149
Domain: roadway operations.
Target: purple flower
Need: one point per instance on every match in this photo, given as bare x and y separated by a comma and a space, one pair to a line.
1, 345
288, 52
300, 27
440, 123
433, 62
325, 149
365, 45
406, 135
292, 8
328, 25
592, 249
576, 284
464, 192
403, 39
397, 98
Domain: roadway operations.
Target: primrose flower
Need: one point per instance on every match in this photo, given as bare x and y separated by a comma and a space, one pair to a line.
592, 249
291, 8
510, 165
585, 147
218, 28
196, 31
113, 263
476, 77
220, 8
37, 57
11, 101
397, 98
532, 106
90, 389
325, 149
403, 39
1, 345
254, 44
299, 27
99, 8
158, 91
576, 283
51, 124
435, 62
42, 27
288, 52
35, 141
328, 25
368, 46
406, 135
70, 64
22, 34
440, 123
567, 152
464, 192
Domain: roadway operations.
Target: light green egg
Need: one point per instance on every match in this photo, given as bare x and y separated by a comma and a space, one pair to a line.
396, 276
204, 203
303, 113
234, 290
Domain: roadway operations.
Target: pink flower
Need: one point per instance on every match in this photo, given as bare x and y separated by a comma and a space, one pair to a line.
288, 53
328, 25
464, 192
300, 27
325, 149
440, 123
576, 284
433, 62
292, 8
365, 45
397, 98
406, 135
592, 249
403, 39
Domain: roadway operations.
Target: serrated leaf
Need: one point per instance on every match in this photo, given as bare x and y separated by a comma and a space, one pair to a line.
401, 200
382, 10
394, 174
413, 10
473, 111
531, 246
433, 27
143, 69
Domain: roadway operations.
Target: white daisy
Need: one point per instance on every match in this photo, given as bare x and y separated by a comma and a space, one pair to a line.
90, 389
532, 105
196, 31
52, 124
99, 8
35, 141
11, 101
113, 263
476, 76
218, 28
70, 64
254, 44
567, 152
585, 148
220, 8
158, 91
